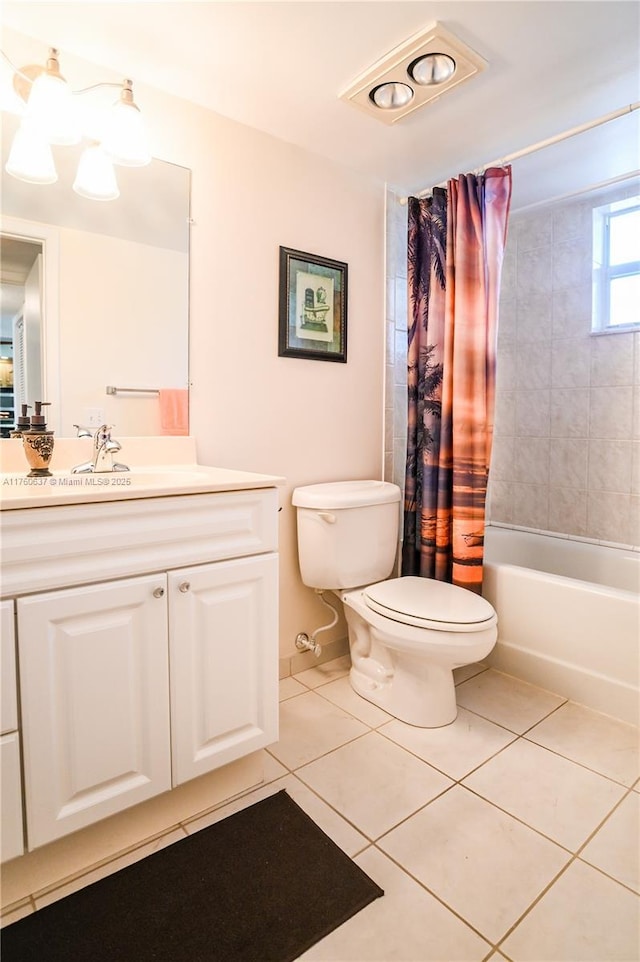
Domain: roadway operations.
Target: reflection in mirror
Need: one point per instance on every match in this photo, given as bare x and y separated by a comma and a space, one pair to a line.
20, 328
95, 294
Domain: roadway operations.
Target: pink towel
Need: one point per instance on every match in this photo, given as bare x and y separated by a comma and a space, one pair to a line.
174, 410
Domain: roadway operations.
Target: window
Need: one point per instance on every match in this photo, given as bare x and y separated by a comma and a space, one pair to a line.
616, 266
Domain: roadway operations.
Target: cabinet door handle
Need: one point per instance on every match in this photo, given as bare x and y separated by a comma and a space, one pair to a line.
184, 586
158, 592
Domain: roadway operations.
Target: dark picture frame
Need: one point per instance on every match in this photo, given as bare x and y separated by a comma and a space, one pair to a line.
313, 307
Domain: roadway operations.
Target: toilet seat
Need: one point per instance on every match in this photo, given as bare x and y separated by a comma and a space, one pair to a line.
426, 603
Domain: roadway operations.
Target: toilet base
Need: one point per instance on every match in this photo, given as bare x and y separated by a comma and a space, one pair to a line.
416, 693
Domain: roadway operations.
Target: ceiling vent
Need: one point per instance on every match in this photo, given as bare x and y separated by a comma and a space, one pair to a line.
413, 74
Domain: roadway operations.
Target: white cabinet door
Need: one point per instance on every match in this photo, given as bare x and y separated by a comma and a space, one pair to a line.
9, 693
12, 840
223, 642
95, 711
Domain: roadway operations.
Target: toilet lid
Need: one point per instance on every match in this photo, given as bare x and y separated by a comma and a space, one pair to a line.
430, 604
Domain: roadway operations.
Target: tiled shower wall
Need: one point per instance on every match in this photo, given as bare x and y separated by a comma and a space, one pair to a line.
566, 454
395, 435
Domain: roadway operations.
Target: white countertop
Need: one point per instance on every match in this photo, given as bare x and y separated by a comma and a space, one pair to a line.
19, 491
178, 474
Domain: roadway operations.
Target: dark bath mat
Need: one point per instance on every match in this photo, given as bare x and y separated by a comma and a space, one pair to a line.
262, 885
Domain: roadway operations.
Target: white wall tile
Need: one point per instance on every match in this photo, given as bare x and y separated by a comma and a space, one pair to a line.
570, 363
535, 272
531, 505
533, 414
505, 414
608, 517
535, 312
568, 460
611, 360
533, 364
572, 263
568, 510
502, 459
534, 232
501, 501
571, 220
531, 460
571, 311
610, 412
570, 413
610, 466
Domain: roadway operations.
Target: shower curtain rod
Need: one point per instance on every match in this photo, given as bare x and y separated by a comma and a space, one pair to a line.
549, 142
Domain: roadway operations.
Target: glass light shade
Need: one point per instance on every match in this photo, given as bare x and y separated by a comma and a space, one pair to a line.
390, 96
96, 177
51, 106
30, 158
125, 138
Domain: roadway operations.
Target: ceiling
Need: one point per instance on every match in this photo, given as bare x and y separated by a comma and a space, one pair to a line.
280, 67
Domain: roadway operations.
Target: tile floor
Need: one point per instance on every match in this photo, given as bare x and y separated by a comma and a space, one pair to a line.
511, 834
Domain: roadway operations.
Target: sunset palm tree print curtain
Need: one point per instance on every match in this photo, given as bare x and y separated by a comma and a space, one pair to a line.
456, 241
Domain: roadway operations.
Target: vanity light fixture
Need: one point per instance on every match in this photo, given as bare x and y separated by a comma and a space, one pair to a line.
96, 178
50, 115
413, 74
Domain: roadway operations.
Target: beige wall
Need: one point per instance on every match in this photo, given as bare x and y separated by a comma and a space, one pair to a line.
308, 421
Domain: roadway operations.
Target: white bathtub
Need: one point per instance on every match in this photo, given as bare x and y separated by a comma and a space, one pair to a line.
568, 617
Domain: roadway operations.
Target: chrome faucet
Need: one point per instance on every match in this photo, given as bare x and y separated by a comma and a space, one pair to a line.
104, 448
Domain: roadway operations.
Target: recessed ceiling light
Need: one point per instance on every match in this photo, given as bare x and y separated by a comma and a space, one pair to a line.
433, 68
391, 96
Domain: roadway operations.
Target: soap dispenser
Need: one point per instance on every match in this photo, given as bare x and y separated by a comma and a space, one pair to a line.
38, 443
23, 423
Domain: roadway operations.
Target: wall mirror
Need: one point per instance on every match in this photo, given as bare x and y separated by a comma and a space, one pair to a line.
94, 295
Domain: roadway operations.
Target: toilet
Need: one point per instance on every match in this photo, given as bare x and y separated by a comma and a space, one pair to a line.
406, 635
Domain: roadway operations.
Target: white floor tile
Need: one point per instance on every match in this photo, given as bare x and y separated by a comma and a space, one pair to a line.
344, 835
455, 749
616, 847
407, 925
310, 726
272, 767
507, 701
584, 917
290, 687
114, 866
373, 783
342, 694
484, 864
604, 744
327, 671
551, 794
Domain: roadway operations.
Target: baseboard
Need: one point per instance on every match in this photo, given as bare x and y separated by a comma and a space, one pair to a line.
306, 659
587, 688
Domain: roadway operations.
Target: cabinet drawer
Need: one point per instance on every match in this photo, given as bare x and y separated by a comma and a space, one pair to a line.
80, 543
9, 703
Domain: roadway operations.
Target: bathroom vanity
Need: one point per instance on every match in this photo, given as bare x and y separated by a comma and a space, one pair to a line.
139, 639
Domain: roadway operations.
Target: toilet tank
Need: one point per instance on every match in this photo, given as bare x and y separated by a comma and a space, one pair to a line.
347, 532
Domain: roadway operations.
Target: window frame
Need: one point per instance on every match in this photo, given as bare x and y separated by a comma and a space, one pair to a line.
604, 272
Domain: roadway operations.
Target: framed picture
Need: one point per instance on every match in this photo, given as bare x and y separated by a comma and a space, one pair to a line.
313, 307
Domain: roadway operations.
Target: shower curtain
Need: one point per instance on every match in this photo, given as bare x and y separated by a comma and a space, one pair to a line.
456, 241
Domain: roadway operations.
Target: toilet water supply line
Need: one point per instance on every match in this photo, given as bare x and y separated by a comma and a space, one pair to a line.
306, 643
